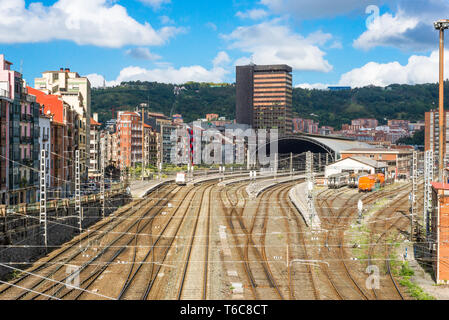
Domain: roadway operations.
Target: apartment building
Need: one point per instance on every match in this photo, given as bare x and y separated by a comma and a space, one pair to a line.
62, 136
365, 123
95, 147
129, 129
150, 146
432, 134
75, 91
166, 143
19, 138
264, 97
305, 125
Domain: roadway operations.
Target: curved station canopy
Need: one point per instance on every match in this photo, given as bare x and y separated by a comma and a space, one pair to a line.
301, 143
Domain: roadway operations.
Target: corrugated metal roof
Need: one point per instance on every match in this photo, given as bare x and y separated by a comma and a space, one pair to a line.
339, 145
370, 162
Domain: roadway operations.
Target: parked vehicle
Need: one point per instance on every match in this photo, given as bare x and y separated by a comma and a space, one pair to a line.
338, 180
370, 183
367, 183
380, 179
181, 179
354, 180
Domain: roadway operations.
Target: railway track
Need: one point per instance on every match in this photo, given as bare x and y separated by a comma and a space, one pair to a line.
335, 223
188, 265
74, 249
231, 208
338, 225
382, 218
90, 271
298, 251
166, 254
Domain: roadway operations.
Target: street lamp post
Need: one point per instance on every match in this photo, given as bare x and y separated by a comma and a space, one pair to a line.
441, 25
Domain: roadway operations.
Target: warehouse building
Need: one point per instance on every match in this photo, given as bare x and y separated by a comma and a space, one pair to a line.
356, 165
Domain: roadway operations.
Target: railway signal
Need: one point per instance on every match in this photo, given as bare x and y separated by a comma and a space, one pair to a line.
360, 208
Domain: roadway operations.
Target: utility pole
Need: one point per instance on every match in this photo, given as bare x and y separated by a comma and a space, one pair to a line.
43, 197
78, 190
441, 25
102, 196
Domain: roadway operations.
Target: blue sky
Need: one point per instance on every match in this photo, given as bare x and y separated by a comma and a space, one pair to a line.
325, 41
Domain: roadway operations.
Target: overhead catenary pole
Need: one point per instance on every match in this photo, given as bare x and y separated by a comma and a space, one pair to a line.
428, 178
414, 192
43, 196
102, 196
143, 140
78, 190
291, 163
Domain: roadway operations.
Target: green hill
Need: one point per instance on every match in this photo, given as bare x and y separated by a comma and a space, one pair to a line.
332, 108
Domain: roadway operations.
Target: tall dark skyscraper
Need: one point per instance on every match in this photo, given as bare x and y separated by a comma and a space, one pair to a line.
264, 97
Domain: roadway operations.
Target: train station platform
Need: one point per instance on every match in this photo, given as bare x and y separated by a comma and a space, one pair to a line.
246, 177
140, 189
255, 189
298, 195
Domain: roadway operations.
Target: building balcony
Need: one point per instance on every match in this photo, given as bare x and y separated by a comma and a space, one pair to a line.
4, 94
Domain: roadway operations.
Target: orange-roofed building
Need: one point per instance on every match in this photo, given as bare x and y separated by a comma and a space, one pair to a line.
63, 136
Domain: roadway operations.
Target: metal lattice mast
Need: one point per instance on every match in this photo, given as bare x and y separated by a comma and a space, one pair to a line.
102, 196
291, 164
78, 190
43, 196
414, 192
428, 178
310, 184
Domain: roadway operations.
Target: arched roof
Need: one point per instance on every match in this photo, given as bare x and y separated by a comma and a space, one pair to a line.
332, 145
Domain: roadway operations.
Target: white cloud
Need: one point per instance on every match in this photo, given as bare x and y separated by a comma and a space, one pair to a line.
156, 4
169, 74
310, 86
336, 45
409, 28
273, 43
97, 80
142, 53
166, 20
222, 59
418, 70
85, 22
311, 9
254, 14
398, 31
